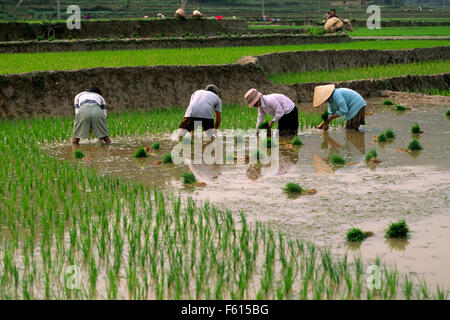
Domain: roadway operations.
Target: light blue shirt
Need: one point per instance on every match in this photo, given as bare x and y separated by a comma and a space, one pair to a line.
345, 102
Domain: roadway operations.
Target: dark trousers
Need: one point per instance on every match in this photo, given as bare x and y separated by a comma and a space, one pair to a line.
288, 124
188, 123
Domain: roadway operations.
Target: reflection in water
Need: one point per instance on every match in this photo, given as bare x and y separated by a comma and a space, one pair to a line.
397, 244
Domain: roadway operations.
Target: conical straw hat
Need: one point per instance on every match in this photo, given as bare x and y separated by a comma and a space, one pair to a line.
322, 94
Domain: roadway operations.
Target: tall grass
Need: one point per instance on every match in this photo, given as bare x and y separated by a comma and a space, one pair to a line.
379, 71
27, 62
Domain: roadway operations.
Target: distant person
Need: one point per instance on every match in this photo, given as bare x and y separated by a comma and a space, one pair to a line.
332, 14
87, 16
90, 115
203, 106
280, 107
342, 102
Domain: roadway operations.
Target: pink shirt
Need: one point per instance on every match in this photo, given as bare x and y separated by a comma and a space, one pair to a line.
275, 104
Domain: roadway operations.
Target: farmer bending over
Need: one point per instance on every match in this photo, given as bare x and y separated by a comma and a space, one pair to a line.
342, 102
90, 114
278, 106
202, 107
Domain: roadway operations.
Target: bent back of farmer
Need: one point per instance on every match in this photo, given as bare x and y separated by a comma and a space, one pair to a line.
90, 114
204, 104
342, 102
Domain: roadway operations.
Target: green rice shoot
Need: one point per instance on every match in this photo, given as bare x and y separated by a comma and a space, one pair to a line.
355, 235
372, 154
414, 145
296, 141
167, 158
156, 146
337, 159
140, 153
398, 230
293, 188
188, 178
78, 154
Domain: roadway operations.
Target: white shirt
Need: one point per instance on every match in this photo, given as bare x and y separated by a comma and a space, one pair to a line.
275, 104
203, 105
89, 97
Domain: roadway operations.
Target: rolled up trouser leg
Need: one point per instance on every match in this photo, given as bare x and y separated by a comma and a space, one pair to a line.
357, 120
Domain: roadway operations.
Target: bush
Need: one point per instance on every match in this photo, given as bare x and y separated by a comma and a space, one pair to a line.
293, 187
156, 146
416, 129
337, 159
387, 102
296, 141
414, 145
398, 230
389, 133
140, 153
372, 154
78, 154
188, 178
382, 137
167, 158
355, 235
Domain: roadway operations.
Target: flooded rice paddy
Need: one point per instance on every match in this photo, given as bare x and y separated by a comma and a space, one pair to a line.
414, 186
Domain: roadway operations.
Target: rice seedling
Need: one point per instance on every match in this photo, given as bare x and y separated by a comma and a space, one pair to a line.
447, 114
156, 146
397, 230
400, 108
372, 154
414, 145
293, 188
264, 125
387, 102
337, 159
140, 153
296, 141
188, 178
382, 137
324, 115
389, 133
355, 235
415, 129
167, 158
78, 154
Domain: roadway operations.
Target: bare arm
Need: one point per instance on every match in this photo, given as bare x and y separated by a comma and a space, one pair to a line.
218, 120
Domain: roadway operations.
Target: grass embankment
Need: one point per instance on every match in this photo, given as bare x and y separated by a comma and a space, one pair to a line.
379, 71
27, 62
131, 241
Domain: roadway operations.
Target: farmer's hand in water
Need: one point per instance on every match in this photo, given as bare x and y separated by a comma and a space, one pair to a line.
320, 126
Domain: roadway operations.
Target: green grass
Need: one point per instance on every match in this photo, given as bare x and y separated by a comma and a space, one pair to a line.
414, 145
296, 141
293, 188
27, 62
132, 241
372, 154
377, 72
167, 158
355, 235
188, 178
78, 154
398, 230
337, 159
140, 153
402, 31
415, 129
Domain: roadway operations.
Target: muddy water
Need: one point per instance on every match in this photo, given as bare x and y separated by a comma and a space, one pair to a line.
410, 186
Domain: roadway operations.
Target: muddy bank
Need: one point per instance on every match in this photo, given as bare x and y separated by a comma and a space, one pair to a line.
150, 43
299, 61
14, 31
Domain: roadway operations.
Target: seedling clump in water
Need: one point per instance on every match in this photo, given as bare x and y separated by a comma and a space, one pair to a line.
400, 108
156, 146
398, 230
140, 153
387, 102
372, 154
414, 145
389, 133
167, 158
447, 114
382, 137
296, 141
355, 235
78, 154
293, 188
188, 178
415, 129
337, 159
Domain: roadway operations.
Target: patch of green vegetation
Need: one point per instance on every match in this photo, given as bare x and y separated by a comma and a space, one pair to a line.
382, 137
296, 141
389, 133
414, 145
324, 115
403, 31
388, 102
140, 153
78, 154
372, 154
355, 235
447, 114
415, 129
188, 178
156, 146
398, 230
293, 188
268, 142
264, 125
337, 159
400, 108
167, 158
